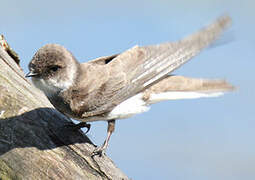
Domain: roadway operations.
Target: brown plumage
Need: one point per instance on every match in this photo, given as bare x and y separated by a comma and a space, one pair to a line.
102, 88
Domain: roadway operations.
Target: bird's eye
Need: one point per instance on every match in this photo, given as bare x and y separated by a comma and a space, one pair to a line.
54, 68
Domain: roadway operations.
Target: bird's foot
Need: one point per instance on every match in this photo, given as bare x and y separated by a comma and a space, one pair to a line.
99, 151
78, 126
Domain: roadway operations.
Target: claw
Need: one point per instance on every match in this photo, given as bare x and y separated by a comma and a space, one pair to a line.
78, 126
88, 128
99, 151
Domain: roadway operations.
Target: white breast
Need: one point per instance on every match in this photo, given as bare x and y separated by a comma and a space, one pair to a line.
51, 87
44, 86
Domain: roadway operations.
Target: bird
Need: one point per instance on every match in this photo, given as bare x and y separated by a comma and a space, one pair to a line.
125, 84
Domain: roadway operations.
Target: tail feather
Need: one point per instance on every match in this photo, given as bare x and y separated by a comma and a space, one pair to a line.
179, 87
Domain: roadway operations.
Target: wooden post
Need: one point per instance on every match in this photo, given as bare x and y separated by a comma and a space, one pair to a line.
33, 144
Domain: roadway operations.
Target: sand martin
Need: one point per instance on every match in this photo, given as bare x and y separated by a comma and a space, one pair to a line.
125, 84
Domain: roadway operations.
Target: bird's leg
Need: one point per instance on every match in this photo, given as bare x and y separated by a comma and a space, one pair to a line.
79, 126
101, 150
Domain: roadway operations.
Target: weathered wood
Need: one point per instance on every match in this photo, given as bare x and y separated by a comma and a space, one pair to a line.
33, 142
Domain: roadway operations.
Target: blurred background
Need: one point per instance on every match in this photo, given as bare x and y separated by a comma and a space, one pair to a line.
186, 139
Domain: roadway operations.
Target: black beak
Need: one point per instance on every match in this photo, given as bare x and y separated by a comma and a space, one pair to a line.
31, 74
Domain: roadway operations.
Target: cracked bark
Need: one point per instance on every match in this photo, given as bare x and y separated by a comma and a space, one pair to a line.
32, 143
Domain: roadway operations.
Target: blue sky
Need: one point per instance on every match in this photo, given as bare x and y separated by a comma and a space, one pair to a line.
187, 139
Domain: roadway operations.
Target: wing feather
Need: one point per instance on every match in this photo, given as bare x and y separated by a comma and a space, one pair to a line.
144, 66
160, 60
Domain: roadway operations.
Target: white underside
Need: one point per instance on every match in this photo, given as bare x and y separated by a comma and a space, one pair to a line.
130, 107
176, 95
136, 104
133, 105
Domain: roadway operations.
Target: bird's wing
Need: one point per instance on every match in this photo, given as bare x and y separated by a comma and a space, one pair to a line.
103, 60
141, 67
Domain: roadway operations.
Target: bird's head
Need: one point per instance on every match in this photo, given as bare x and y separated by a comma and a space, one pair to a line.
52, 69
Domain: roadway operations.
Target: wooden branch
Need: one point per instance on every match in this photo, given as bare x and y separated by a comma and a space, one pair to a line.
33, 142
